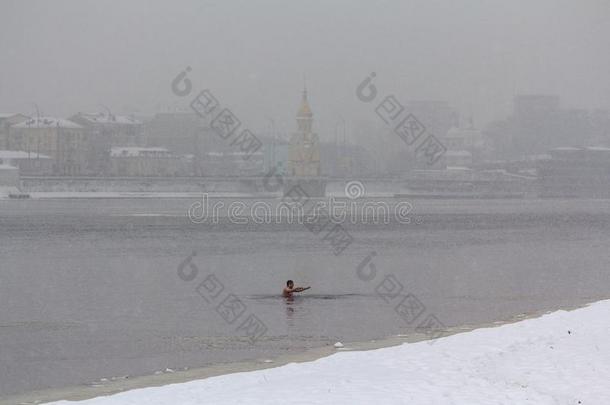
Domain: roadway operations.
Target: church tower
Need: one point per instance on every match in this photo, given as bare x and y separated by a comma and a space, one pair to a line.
304, 151
304, 155
304, 115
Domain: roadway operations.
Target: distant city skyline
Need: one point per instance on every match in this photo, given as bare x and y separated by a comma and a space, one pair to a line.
255, 54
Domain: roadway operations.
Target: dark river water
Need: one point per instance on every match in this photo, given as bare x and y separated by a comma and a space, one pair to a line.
90, 288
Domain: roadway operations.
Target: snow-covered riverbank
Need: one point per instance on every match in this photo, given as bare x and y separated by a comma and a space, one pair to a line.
560, 358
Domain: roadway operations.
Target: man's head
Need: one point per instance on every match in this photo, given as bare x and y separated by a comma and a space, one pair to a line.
290, 283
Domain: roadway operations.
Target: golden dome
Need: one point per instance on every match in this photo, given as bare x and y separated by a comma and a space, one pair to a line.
304, 110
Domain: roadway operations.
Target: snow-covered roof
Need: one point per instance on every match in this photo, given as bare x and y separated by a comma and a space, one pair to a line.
19, 154
459, 168
233, 153
566, 148
8, 114
587, 148
4, 166
133, 151
46, 122
101, 118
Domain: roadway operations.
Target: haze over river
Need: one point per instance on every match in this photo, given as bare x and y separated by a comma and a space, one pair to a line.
89, 288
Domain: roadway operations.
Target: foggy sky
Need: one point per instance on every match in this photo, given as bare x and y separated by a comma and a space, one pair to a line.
70, 55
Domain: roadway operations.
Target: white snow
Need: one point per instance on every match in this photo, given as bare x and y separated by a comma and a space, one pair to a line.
19, 154
47, 122
599, 148
135, 151
6, 191
560, 358
4, 115
103, 118
140, 194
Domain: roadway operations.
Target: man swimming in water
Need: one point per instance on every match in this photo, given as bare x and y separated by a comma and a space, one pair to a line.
290, 288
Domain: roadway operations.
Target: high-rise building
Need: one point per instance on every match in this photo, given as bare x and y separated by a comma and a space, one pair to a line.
538, 123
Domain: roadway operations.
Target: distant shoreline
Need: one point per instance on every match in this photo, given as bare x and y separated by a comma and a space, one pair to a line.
72, 195
67, 195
